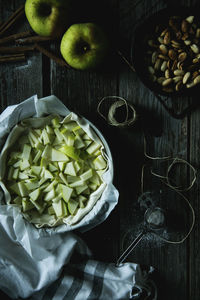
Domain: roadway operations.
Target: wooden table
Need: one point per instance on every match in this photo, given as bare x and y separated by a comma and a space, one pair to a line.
177, 265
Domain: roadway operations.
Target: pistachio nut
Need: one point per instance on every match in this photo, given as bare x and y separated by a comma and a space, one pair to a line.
162, 56
174, 65
186, 77
154, 57
164, 32
177, 78
160, 39
167, 73
197, 79
163, 66
198, 33
157, 64
163, 49
151, 70
185, 26
195, 74
182, 56
167, 38
172, 54
190, 19
187, 42
175, 44
160, 80
178, 72
195, 48
167, 81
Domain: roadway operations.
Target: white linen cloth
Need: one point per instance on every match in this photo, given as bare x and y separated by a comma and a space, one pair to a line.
46, 265
54, 263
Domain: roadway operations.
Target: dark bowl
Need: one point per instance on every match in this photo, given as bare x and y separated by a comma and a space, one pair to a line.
139, 49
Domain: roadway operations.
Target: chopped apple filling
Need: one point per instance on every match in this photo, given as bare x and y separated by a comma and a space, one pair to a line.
53, 170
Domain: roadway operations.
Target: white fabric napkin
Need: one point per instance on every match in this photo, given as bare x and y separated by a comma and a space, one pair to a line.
54, 263
46, 265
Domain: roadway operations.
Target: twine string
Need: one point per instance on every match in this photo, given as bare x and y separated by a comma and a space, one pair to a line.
166, 180
110, 118
119, 103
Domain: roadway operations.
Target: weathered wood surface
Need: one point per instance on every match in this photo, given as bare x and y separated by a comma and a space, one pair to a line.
177, 266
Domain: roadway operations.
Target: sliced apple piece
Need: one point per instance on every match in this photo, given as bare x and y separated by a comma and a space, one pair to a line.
36, 170
70, 125
37, 156
52, 168
63, 178
50, 195
70, 169
10, 173
58, 155
70, 151
47, 152
18, 200
26, 152
49, 129
99, 163
87, 174
24, 164
81, 188
72, 206
15, 174
66, 192
40, 208
82, 201
61, 165
32, 184
77, 183
56, 122
23, 189
92, 148
26, 205
48, 174
58, 208
51, 210
64, 208
78, 130
78, 142
35, 194
58, 135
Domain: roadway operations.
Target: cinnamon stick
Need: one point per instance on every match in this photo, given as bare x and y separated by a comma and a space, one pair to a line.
12, 58
33, 39
52, 56
15, 50
15, 37
12, 19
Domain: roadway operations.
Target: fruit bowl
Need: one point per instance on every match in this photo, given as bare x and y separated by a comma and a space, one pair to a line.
145, 49
57, 170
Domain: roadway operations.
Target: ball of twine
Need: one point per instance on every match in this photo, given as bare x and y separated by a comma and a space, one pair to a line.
130, 117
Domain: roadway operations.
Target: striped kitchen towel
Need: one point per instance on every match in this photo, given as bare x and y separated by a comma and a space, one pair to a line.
48, 265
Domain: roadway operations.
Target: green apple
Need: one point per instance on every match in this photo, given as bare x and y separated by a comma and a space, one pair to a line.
48, 17
84, 46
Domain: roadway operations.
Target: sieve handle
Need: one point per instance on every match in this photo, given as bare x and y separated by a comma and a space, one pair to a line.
130, 248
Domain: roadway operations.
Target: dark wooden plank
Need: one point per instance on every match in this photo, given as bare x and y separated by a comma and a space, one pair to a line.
81, 92
20, 80
166, 136
177, 266
194, 197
